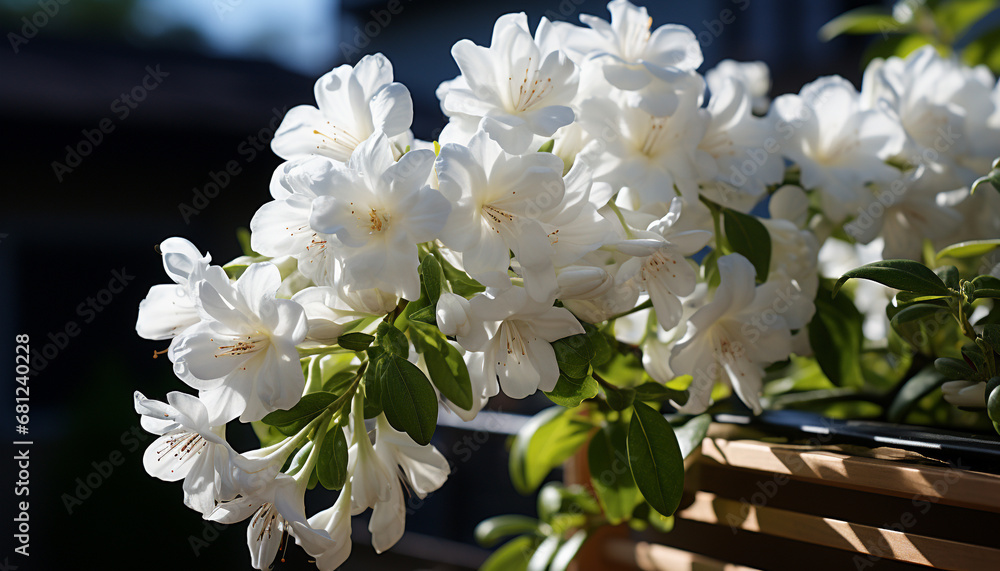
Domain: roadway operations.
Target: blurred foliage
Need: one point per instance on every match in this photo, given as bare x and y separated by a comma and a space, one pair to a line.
959, 27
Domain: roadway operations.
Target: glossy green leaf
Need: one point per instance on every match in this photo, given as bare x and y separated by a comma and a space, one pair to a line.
424, 315
610, 477
986, 286
955, 369
392, 340
904, 275
408, 399
969, 249
991, 335
956, 17
653, 391
574, 354
917, 311
568, 551
749, 237
571, 392
355, 341
619, 398
543, 443
836, 338
544, 553
444, 364
513, 556
431, 278
310, 406
864, 20
332, 464
654, 456
461, 283
490, 531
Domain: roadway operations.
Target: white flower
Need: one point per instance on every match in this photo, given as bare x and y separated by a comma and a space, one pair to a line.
631, 57
652, 156
744, 167
169, 309
329, 311
583, 282
945, 108
282, 228
732, 338
497, 199
518, 88
965, 393
793, 270
905, 213
353, 103
838, 145
422, 468
377, 211
515, 333
790, 203
452, 313
241, 356
665, 273
336, 522
188, 448
275, 509
754, 75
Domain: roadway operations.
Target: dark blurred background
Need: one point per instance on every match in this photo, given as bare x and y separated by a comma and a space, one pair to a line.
118, 116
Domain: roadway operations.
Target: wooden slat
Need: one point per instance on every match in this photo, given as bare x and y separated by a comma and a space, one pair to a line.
951, 486
654, 557
863, 539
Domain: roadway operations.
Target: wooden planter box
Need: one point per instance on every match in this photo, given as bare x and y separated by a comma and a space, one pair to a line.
751, 504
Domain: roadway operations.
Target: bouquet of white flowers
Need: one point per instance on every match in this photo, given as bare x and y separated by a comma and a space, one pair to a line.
598, 221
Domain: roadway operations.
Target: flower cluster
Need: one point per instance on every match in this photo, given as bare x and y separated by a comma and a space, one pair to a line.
589, 179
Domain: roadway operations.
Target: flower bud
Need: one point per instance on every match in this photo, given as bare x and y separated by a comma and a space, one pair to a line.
583, 282
638, 247
790, 203
453, 314
965, 393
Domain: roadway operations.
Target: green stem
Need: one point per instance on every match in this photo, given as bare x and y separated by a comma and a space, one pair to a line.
621, 218
644, 305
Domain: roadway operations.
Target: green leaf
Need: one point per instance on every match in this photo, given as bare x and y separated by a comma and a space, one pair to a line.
836, 337
864, 20
690, 435
568, 551
619, 398
986, 286
919, 386
547, 146
392, 340
747, 236
991, 335
444, 363
460, 282
513, 556
432, 278
993, 401
969, 249
544, 553
955, 369
949, 275
243, 237
654, 457
602, 349
490, 531
355, 341
653, 391
917, 311
958, 16
543, 443
332, 465
408, 400
424, 315
571, 392
610, 476
310, 406
974, 355
574, 354
904, 275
